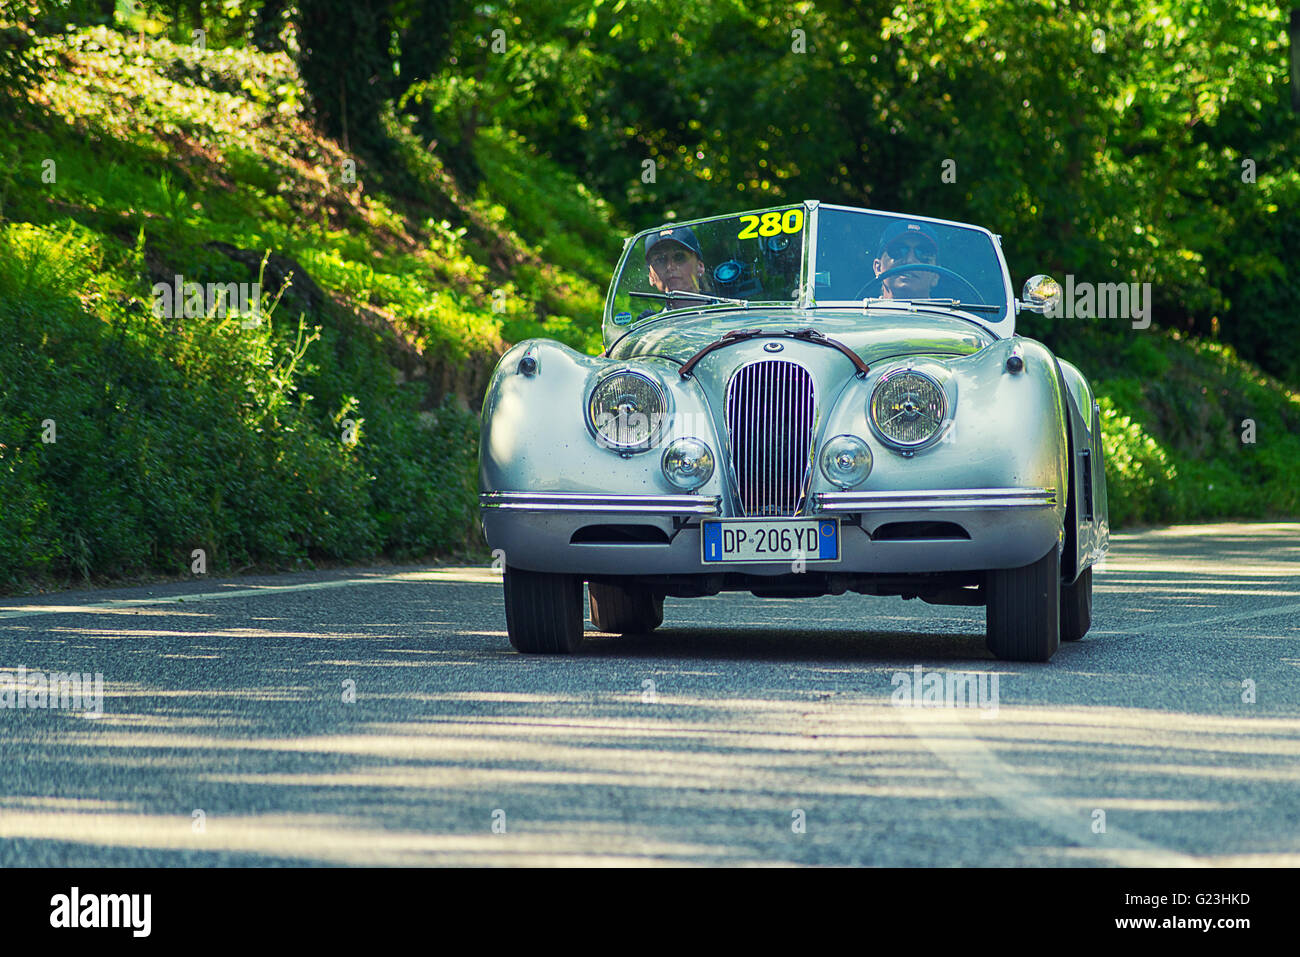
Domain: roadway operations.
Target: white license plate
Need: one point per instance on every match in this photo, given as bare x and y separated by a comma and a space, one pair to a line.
771, 540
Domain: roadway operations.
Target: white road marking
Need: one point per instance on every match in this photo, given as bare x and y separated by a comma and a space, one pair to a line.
976, 763
1240, 616
1274, 611
470, 575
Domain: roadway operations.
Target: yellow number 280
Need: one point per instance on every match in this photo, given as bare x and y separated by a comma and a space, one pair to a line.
772, 224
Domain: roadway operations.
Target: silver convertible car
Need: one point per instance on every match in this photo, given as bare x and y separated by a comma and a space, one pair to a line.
799, 401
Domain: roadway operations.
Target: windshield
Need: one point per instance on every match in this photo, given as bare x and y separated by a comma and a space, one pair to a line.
863, 255
764, 256
755, 257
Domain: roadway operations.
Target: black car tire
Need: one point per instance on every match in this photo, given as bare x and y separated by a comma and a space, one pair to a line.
625, 611
543, 612
1076, 607
1024, 610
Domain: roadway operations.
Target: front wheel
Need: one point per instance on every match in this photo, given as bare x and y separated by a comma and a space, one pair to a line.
1024, 610
1076, 607
543, 612
625, 611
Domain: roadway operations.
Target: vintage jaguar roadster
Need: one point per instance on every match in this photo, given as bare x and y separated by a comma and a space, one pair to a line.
799, 401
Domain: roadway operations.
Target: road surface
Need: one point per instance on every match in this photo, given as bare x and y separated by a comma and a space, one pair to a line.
745, 732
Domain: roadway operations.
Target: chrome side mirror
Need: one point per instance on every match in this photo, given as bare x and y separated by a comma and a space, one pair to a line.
1041, 294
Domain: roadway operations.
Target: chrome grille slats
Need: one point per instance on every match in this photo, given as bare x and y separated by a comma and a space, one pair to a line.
779, 476
770, 411
768, 440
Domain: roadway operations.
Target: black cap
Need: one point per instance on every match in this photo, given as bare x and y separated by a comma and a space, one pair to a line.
682, 235
901, 228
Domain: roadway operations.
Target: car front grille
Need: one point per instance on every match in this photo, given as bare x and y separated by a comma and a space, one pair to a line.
770, 413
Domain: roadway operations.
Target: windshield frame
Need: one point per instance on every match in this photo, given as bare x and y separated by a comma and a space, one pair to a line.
1001, 325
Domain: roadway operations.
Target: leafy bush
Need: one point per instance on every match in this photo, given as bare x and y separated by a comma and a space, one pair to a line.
176, 434
202, 434
1199, 434
1141, 481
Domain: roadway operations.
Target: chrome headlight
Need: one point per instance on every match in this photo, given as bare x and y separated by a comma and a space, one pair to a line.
625, 411
687, 463
846, 461
907, 408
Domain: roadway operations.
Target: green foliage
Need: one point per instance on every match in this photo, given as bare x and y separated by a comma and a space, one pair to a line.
1110, 141
170, 436
51, 16
533, 197
359, 54
1141, 481
499, 151
1191, 432
346, 65
21, 59
195, 145
179, 433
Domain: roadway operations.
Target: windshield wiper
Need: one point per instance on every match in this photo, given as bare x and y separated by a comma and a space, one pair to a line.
945, 303
692, 296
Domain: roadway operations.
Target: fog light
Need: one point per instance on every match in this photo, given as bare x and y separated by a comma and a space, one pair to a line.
687, 463
846, 461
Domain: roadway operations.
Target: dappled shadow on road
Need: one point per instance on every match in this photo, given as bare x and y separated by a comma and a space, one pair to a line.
709, 742
759, 643
1223, 551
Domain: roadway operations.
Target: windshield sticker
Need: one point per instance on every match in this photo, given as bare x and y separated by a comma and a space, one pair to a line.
772, 224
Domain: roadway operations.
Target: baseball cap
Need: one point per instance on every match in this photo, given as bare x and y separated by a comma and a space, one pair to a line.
682, 235
901, 228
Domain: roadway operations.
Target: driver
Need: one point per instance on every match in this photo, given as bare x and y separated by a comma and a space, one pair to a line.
900, 244
676, 264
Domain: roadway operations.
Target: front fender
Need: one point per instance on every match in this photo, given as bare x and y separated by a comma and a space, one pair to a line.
1090, 536
535, 436
1005, 429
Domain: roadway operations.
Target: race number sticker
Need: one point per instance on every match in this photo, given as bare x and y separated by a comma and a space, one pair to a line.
772, 224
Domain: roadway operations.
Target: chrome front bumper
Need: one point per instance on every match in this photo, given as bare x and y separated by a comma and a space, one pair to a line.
1008, 528
823, 502
944, 498
632, 505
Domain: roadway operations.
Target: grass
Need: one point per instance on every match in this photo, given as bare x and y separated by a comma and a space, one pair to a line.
1195, 433
1192, 432
137, 160
129, 440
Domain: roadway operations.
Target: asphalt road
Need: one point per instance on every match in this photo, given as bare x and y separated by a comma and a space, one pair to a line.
744, 732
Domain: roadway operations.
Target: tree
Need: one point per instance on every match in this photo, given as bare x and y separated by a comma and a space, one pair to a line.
1106, 141
270, 21
359, 54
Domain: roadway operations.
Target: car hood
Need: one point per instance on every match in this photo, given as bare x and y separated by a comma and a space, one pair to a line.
874, 336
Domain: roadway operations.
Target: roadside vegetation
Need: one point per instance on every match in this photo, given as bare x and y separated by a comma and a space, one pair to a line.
397, 254
340, 423
1192, 432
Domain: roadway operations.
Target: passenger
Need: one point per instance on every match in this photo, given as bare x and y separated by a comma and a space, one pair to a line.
676, 265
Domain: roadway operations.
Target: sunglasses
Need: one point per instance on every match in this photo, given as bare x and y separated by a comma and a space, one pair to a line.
924, 252
678, 257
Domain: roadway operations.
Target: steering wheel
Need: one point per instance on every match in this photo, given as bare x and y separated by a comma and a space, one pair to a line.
941, 270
